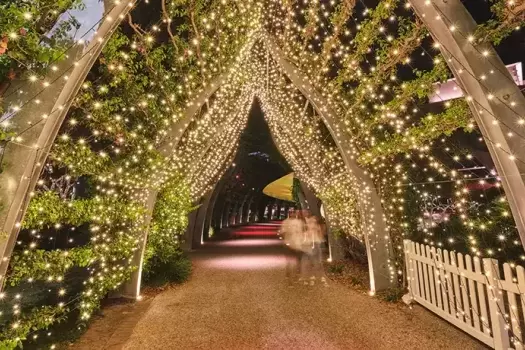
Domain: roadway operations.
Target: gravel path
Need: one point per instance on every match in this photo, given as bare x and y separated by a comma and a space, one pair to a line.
238, 298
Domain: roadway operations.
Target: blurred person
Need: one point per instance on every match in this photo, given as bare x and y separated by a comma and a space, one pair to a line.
286, 225
293, 229
315, 238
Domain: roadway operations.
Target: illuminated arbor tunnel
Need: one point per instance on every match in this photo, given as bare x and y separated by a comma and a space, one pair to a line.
132, 130
241, 199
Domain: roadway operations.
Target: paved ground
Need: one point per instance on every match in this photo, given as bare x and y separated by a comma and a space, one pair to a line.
238, 298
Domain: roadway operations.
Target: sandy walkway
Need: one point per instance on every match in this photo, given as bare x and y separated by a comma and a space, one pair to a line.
238, 298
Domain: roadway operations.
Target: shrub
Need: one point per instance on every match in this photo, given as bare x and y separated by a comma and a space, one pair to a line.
160, 272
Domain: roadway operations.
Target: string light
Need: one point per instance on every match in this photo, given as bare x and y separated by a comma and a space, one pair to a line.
354, 56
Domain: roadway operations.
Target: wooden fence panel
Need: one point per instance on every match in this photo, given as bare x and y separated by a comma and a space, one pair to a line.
437, 282
448, 284
442, 284
483, 297
420, 281
520, 277
463, 286
475, 313
431, 279
469, 293
513, 310
424, 267
415, 276
496, 305
457, 294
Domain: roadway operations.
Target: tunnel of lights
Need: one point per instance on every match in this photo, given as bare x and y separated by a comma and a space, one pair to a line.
321, 129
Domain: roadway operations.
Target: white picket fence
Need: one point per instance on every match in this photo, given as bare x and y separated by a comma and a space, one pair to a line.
469, 293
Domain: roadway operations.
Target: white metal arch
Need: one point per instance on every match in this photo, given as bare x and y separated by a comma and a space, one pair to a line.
496, 103
26, 160
19, 204
369, 202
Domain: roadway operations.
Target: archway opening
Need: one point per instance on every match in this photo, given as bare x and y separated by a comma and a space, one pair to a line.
257, 163
110, 141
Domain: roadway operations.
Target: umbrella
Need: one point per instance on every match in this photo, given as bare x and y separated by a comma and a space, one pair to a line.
281, 188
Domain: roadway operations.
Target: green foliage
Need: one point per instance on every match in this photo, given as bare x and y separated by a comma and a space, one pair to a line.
5, 135
135, 91
39, 264
164, 260
338, 20
177, 269
12, 335
414, 90
340, 205
336, 268
408, 39
139, 87
508, 18
22, 41
311, 22
296, 189
365, 37
79, 158
47, 209
98, 288
432, 126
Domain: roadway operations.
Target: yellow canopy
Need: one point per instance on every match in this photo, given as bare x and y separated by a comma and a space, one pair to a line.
281, 188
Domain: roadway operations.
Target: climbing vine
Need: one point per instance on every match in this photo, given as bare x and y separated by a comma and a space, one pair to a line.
126, 137
509, 16
32, 37
296, 188
163, 258
456, 116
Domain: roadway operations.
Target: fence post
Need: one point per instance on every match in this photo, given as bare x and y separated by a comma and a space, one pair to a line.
496, 305
409, 297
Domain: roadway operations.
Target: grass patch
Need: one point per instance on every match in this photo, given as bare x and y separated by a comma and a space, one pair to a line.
173, 271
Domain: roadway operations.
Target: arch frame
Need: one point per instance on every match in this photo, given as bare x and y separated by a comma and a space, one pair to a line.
379, 253
489, 101
52, 125
21, 179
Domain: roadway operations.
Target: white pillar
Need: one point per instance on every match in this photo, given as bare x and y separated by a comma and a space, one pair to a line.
198, 231
131, 288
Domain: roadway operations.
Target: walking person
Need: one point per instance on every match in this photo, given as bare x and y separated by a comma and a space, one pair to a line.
316, 238
292, 230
